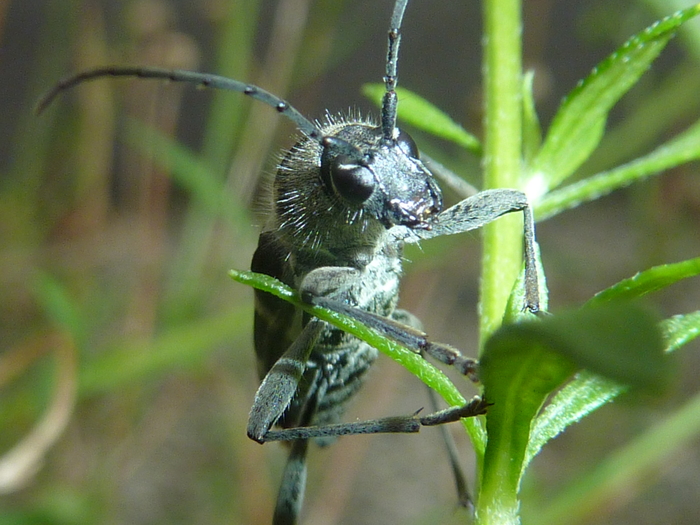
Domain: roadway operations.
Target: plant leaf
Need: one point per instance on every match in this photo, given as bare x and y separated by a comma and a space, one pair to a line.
613, 478
578, 398
587, 391
518, 372
578, 125
188, 170
681, 149
532, 131
680, 330
651, 118
650, 280
523, 363
421, 114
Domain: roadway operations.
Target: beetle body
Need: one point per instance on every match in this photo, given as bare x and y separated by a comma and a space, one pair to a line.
317, 226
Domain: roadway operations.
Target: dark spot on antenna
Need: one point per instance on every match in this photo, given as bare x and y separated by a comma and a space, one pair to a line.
206, 82
281, 106
249, 90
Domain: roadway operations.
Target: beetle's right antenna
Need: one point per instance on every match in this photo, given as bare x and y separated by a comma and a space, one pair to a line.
191, 77
389, 103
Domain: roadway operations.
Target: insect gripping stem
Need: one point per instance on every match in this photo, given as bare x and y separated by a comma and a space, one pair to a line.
346, 199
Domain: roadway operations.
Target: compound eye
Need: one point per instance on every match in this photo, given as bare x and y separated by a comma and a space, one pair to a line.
352, 181
407, 144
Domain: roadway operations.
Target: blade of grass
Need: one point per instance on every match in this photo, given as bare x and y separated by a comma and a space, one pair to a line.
190, 171
614, 478
648, 281
182, 346
679, 150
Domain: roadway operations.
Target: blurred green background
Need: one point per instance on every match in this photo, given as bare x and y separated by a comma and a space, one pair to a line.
127, 368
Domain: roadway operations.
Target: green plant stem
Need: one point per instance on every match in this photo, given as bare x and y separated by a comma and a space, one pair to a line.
502, 256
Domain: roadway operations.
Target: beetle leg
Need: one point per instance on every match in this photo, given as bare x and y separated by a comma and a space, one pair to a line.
281, 382
481, 209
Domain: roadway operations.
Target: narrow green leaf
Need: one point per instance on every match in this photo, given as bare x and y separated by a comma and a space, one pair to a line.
410, 360
578, 125
680, 330
188, 170
421, 114
615, 477
649, 119
578, 398
59, 306
532, 131
679, 150
588, 391
650, 280
618, 340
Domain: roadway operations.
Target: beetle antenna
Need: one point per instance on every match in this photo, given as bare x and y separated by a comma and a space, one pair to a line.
390, 102
203, 80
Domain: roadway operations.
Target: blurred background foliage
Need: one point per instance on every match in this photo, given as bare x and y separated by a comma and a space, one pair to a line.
127, 367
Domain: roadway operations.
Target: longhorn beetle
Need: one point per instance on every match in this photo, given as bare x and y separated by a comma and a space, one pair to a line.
346, 198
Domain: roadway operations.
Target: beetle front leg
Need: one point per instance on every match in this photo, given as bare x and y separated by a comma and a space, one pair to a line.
280, 383
481, 209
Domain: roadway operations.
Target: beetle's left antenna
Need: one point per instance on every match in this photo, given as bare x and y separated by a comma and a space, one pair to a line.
199, 79
389, 103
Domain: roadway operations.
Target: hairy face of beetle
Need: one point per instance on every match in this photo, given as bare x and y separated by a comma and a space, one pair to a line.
351, 187
384, 178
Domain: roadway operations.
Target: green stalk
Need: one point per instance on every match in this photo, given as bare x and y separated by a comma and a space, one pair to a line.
502, 257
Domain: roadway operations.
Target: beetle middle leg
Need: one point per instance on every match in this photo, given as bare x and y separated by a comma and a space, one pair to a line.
404, 334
